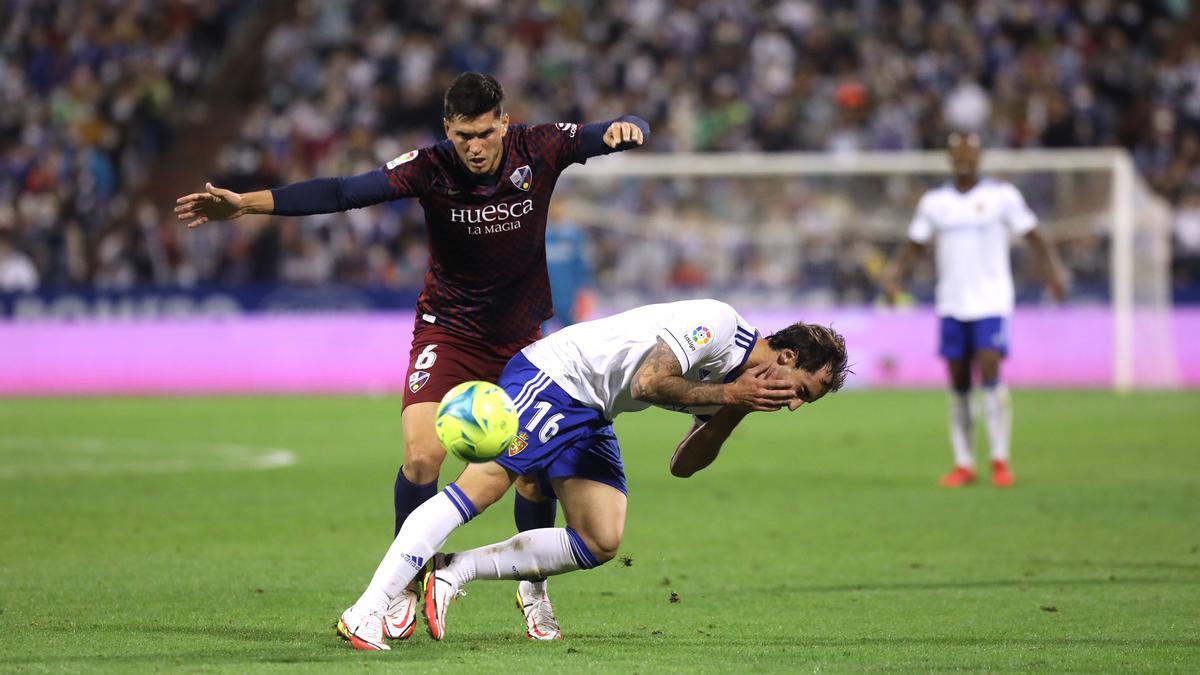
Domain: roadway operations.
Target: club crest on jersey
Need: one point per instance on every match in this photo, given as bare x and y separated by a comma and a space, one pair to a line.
417, 380
402, 159
522, 178
518, 444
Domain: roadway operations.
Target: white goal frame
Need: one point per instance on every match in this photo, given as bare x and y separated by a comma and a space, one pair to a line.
1126, 189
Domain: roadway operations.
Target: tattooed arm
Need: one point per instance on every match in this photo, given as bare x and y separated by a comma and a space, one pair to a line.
659, 380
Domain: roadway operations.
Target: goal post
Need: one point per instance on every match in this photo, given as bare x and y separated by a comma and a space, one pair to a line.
1092, 199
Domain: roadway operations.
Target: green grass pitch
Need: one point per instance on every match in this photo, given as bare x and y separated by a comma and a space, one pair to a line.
176, 534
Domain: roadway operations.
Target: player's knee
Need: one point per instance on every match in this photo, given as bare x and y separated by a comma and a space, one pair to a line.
602, 545
423, 461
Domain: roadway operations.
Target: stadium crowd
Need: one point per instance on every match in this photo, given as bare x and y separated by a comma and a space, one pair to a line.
348, 85
93, 94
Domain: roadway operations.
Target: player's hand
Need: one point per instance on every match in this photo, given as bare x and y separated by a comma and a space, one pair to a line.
619, 133
759, 388
213, 204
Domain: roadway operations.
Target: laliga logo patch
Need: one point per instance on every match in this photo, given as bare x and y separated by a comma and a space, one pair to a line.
417, 380
568, 128
701, 335
518, 444
522, 178
406, 157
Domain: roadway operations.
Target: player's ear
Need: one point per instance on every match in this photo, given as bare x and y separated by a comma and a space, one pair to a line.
786, 357
504, 124
446, 126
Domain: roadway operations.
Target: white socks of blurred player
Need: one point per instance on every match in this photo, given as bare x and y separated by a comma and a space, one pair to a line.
962, 429
423, 533
997, 417
533, 554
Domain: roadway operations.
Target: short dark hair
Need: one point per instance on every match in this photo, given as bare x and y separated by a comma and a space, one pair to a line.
471, 95
815, 347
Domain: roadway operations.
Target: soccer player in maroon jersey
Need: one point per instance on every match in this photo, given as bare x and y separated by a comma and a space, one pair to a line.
485, 191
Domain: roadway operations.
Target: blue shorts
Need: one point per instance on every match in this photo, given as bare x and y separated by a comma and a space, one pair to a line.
559, 436
961, 339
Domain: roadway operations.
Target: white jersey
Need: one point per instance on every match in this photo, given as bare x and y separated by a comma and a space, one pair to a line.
595, 361
974, 275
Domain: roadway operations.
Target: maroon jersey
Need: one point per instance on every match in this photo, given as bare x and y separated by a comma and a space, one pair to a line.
487, 241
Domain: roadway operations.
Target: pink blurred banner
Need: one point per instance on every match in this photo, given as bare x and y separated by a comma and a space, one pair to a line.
358, 353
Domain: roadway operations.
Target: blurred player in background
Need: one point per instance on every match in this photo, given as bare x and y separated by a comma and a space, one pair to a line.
485, 191
694, 356
970, 220
569, 264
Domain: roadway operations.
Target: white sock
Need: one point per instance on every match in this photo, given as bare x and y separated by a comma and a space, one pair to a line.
425, 531
532, 554
997, 415
962, 429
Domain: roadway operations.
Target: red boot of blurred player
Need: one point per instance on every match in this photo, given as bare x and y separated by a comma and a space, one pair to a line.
961, 476
1002, 476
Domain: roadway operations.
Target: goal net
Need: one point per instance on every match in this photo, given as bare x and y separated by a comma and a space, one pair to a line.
812, 231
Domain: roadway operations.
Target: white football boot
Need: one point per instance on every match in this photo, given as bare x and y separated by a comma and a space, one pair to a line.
533, 602
363, 630
441, 589
401, 616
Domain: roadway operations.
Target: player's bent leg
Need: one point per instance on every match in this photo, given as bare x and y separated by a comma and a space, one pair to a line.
478, 487
416, 482
596, 511
997, 415
536, 553
426, 531
533, 510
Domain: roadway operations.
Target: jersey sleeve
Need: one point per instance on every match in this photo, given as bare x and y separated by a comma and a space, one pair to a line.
922, 226
410, 174
1017, 214
710, 337
566, 143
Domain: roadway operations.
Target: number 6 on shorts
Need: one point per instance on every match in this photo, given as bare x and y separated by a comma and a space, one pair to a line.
426, 358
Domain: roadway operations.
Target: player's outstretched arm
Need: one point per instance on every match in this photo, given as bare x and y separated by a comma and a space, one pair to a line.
702, 444
1051, 265
319, 195
659, 380
220, 204
898, 269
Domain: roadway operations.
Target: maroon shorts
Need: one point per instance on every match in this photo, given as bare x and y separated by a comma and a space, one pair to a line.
439, 360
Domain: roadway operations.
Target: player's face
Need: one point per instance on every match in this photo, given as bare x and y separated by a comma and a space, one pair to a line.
479, 141
808, 386
964, 155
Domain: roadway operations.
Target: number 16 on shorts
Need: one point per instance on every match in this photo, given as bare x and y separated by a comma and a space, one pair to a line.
549, 427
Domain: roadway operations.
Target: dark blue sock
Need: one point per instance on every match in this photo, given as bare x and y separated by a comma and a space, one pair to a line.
407, 497
533, 515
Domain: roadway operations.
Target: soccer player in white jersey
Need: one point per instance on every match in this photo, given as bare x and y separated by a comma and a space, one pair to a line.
695, 356
970, 220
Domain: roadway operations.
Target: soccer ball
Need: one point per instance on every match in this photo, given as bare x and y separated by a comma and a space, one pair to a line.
476, 421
